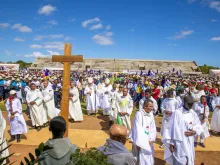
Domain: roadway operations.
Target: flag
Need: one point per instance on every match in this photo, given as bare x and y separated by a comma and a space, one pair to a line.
141, 73
157, 71
46, 72
177, 73
118, 120
148, 74
173, 69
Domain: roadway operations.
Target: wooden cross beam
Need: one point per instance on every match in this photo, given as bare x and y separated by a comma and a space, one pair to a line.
66, 59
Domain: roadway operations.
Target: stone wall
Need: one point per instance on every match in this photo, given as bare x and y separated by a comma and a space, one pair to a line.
118, 65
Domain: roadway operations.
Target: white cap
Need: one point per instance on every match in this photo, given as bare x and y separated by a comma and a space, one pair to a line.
12, 92
107, 81
90, 80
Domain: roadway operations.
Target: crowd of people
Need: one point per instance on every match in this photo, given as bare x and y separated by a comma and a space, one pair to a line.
184, 102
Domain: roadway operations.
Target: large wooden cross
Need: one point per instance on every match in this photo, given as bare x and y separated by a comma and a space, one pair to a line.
66, 59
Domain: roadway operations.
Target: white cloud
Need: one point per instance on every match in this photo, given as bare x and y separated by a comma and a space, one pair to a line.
16, 26
108, 27
72, 20
38, 38
215, 5
97, 26
52, 52
4, 25
56, 36
89, 21
25, 29
214, 20
54, 45
215, 39
35, 54
171, 44
19, 27
7, 52
109, 34
67, 38
47, 9
102, 40
53, 22
35, 46
39, 54
182, 34
17, 39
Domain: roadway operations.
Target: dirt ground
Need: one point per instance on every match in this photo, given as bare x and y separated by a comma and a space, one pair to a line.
101, 123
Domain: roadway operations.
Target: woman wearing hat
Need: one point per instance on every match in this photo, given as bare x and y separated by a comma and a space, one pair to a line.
16, 119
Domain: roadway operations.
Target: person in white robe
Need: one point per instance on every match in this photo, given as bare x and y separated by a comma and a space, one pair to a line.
105, 102
113, 108
18, 89
198, 93
125, 108
3, 142
75, 110
215, 121
143, 135
17, 123
202, 111
100, 93
91, 97
48, 99
179, 136
38, 114
180, 97
148, 94
169, 105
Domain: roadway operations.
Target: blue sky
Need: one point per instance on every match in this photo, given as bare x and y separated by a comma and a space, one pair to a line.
131, 29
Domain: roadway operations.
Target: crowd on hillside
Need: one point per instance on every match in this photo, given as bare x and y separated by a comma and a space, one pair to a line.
183, 101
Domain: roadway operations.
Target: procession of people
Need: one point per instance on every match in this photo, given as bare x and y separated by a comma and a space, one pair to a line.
184, 101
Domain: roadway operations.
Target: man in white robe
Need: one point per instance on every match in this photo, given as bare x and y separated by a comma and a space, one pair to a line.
180, 97
148, 94
143, 135
105, 102
202, 111
100, 93
4, 145
198, 93
17, 123
38, 114
169, 105
48, 98
125, 108
91, 97
215, 122
75, 110
113, 108
179, 136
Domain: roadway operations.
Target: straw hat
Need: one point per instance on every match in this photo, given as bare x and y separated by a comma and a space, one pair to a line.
12, 92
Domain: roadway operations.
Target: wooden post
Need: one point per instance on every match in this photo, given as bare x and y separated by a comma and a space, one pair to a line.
65, 87
66, 59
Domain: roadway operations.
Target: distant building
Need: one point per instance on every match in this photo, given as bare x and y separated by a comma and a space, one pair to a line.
120, 65
7, 67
